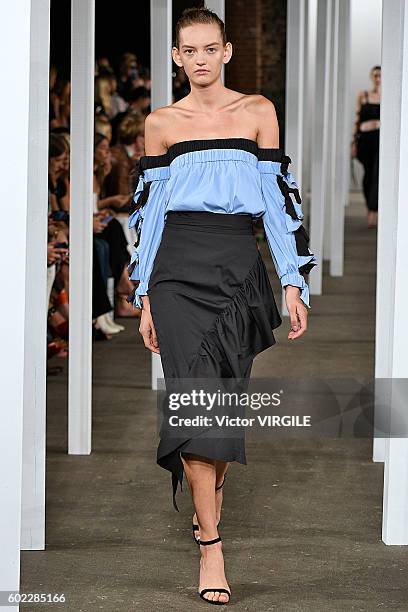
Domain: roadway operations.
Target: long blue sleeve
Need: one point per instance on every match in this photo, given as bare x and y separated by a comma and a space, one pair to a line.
287, 239
147, 217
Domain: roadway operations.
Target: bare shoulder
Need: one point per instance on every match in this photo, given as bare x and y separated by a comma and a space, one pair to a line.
261, 106
160, 124
155, 128
264, 114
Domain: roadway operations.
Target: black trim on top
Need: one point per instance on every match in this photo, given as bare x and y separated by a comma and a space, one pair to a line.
275, 155
153, 161
187, 146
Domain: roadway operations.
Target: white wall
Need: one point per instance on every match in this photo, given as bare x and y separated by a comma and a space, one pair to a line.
365, 51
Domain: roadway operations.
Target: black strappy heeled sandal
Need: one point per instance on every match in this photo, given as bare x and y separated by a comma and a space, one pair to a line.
197, 527
216, 590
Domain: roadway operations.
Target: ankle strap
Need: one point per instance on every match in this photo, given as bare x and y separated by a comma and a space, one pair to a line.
222, 484
205, 542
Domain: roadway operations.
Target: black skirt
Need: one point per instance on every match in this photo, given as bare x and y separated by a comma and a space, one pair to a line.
214, 310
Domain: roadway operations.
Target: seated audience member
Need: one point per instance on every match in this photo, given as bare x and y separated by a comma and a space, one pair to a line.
102, 123
139, 104
125, 154
128, 75
113, 232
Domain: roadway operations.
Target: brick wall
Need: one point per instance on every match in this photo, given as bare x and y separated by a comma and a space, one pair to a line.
257, 31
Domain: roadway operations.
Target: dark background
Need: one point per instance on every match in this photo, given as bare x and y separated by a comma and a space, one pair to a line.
124, 27
256, 28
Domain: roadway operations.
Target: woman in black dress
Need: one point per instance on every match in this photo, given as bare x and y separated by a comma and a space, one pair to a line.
366, 142
212, 166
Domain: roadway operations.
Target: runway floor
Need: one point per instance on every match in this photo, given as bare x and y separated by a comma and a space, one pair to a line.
301, 523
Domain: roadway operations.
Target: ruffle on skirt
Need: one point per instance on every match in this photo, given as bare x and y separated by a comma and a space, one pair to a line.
238, 333
241, 331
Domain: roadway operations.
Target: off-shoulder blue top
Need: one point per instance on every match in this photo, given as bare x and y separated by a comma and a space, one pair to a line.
225, 175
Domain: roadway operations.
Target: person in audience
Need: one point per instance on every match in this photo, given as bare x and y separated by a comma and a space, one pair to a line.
113, 232
118, 104
129, 75
103, 97
128, 150
102, 123
54, 121
57, 154
139, 104
63, 92
114, 183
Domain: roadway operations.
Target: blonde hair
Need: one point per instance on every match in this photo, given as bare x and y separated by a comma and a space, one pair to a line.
103, 93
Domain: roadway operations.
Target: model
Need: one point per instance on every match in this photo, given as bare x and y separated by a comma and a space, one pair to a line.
365, 145
212, 166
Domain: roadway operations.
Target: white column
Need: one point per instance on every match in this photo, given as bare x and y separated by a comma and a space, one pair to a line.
308, 101
340, 136
295, 90
391, 70
35, 365
331, 132
81, 214
393, 220
162, 93
320, 140
295, 93
218, 6
160, 52
14, 124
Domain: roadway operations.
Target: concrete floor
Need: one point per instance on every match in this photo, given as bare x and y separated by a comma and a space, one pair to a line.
301, 522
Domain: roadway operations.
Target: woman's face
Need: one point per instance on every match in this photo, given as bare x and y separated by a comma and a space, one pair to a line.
376, 77
201, 53
56, 164
102, 152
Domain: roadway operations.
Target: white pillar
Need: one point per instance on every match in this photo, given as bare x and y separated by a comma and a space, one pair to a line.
160, 52
218, 6
308, 100
14, 124
331, 133
295, 89
162, 93
392, 288
390, 134
320, 140
81, 214
339, 143
35, 365
295, 93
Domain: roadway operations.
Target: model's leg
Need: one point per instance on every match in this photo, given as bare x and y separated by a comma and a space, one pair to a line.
201, 475
373, 198
221, 468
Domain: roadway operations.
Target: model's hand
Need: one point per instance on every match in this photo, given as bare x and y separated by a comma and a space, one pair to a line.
147, 328
297, 312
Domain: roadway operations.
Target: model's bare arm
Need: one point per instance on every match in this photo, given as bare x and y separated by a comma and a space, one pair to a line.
153, 146
268, 138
